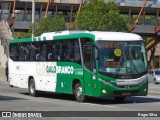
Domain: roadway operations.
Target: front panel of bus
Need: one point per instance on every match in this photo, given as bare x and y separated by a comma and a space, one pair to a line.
121, 68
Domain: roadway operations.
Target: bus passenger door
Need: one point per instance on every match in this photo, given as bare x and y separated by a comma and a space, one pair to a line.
88, 61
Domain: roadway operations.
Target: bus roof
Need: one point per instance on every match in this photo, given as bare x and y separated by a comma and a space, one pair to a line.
95, 35
116, 36
98, 35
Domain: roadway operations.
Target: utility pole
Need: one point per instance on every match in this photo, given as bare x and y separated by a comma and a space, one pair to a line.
48, 4
33, 17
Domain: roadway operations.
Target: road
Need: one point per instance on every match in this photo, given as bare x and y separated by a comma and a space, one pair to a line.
154, 88
17, 99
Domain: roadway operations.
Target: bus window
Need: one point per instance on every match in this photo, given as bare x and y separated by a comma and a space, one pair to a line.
77, 56
65, 51
14, 52
22, 53
74, 51
32, 52
58, 49
88, 53
43, 52
49, 50
37, 51
26, 52
54, 51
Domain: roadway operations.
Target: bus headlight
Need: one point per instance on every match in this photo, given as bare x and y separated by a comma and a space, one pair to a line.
104, 91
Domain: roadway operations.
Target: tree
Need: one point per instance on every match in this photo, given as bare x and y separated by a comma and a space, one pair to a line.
49, 24
147, 40
101, 16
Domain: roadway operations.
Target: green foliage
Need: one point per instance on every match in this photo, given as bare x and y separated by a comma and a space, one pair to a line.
20, 35
49, 24
101, 16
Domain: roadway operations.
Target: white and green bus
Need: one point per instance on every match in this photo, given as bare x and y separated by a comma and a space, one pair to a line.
82, 63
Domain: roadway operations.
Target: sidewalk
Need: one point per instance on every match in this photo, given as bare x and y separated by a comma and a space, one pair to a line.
2, 76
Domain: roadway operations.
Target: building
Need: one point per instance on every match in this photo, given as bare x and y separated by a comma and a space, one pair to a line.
146, 25
68, 8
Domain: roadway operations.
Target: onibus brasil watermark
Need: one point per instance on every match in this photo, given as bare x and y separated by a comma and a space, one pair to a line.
33, 114
21, 114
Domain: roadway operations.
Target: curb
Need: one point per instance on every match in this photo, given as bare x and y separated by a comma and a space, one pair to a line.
4, 82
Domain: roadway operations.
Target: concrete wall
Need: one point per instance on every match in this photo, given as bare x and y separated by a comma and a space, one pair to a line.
3, 57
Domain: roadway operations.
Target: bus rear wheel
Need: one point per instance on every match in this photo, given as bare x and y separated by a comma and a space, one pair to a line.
32, 88
78, 93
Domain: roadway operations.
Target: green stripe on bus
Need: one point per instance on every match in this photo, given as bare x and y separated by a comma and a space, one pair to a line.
21, 40
34, 39
39, 39
82, 35
44, 38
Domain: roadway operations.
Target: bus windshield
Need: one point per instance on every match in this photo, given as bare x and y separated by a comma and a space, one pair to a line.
122, 57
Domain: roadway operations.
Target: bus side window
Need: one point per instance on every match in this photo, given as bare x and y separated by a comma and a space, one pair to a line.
37, 51
77, 56
37, 57
58, 49
50, 56
54, 50
74, 51
26, 52
69, 50
43, 55
32, 52
49, 52
66, 50
14, 52
22, 53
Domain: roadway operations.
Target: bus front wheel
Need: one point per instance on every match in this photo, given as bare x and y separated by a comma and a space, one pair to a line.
78, 93
32, 88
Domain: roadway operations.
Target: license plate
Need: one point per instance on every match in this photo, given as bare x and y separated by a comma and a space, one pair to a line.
125, 94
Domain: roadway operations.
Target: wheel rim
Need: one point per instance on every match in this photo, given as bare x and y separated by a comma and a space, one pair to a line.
32, 88
79, 92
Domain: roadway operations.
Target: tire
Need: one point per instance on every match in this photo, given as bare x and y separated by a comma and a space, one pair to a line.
120, 99
78, 93
32, 88
10, 85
